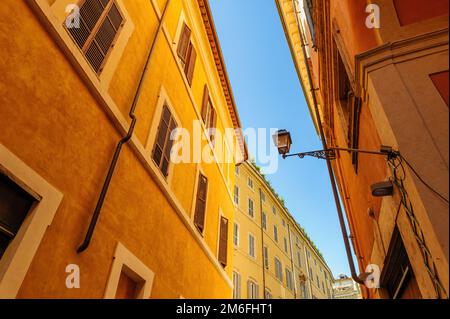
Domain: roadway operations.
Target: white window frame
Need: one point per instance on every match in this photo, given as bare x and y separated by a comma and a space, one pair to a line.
252, 287
252, 215
237, 285
18, 256
125, 261
236, 237
275, 233
278, 269
250, 183
250, 235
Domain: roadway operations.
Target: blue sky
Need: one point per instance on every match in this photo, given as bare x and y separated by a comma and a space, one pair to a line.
268, 95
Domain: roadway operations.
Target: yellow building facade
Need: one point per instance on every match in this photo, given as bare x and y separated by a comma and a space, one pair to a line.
273, 257
68, 98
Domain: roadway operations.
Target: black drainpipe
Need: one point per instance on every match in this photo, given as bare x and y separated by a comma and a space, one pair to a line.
330, 168
123, 141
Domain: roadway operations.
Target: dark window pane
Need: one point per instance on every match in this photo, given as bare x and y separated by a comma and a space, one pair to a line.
4, 242
14, 204
157, 155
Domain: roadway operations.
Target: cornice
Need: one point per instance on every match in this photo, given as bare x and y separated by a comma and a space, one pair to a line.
396, 52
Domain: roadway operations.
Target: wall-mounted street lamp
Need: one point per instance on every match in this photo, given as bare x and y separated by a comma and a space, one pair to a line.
283, 142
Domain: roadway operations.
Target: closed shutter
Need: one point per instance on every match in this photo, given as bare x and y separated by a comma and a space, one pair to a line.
183, 44
200, 207
223, 241
190, 66
205, 104
163, 143
212, 124
100, 21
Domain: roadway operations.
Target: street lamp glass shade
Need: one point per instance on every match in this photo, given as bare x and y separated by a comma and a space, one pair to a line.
283, 141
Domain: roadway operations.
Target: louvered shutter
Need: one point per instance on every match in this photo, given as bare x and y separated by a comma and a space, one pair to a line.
163, 142
190, 66
223, 241
100, 21
205, 104
200, 207
183, 44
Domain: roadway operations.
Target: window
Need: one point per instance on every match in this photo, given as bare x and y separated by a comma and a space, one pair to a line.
223, 241
274, 210
129, 277
236, 235
398, 278
236, 285
349, 106
289, 280
303, 291
268, 294
264, 221
15, 204
252, 290
251, 212
250, 183
315, 262
127, 287
186, 53
209, 116
163, 143
263, 197
283, 222
275, 233
266, 257
323, 287
100, 22
236, 194
310, 273
278, 269
251, 245
308, 7
318, 281
285, 245
299, 258
200, 206
236, 170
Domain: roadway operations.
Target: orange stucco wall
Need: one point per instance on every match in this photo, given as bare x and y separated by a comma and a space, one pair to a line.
52, 122
413, 11
440, 80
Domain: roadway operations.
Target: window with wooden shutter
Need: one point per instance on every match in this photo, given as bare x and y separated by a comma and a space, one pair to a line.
209, 115
186, 53
15, 204
190, 66
163, 143
183, 44
223, 241
100, 22
398, 278
200, 206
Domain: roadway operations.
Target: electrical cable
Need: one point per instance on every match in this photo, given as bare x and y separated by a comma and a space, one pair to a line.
423, 181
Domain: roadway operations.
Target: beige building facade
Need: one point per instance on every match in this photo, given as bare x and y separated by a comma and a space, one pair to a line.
273, 258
